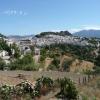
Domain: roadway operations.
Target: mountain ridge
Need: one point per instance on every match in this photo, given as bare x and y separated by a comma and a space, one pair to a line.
88, 33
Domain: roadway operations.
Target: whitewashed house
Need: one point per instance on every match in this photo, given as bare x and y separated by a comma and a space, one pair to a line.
3, 53
37, 51
9, 41
26, 51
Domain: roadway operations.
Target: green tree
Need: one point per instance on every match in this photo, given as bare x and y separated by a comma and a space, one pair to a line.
97, 61
56, 62
16, 50
32, 50
27, 59
43, 54
66, 64
4, 46
2, 64
26, 63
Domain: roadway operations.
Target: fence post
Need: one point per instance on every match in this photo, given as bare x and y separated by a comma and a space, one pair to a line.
79, 81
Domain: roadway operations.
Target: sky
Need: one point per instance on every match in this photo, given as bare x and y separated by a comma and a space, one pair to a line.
25, 17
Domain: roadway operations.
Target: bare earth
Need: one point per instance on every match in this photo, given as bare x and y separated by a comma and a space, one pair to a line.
12, 77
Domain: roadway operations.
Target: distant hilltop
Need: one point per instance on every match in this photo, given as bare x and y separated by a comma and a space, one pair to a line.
61, 33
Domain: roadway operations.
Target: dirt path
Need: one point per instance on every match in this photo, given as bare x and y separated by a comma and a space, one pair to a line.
11, 77
50, 96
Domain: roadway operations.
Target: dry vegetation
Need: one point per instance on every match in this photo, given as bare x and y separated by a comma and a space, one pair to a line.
88, 91
91, 90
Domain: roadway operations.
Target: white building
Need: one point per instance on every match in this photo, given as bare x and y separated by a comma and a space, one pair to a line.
3, 53
9, 41
37, 51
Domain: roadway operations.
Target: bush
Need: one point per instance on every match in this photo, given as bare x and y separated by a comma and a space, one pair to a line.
6, 92
97, 61
23, 88
26, 63
31, 67
2, 64
43, 85
42, 58
66, 65
52, 67
56, 62
97, 70
67, 89
55, 65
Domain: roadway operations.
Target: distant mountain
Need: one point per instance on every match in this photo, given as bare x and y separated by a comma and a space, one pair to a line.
88, 33
15, 36
18, 37
61, 33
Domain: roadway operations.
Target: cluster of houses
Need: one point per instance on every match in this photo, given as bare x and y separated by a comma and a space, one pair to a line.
24, 44
52, 39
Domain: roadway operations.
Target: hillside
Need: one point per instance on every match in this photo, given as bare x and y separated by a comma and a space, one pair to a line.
70, 62
88, 33
67, 58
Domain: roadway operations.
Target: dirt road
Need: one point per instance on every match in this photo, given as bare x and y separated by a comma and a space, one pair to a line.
14, 77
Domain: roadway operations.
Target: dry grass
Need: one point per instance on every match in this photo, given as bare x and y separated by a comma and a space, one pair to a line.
91, 90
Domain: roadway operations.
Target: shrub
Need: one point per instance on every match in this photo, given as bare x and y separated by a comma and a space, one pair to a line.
67, 89
6, 92
52, 67
97, 70
43, 85
23, 88
26, 63
26, 90
66, 64
55, 65
2, 64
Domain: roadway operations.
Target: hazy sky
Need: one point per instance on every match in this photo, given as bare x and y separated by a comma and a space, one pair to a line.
34, 16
